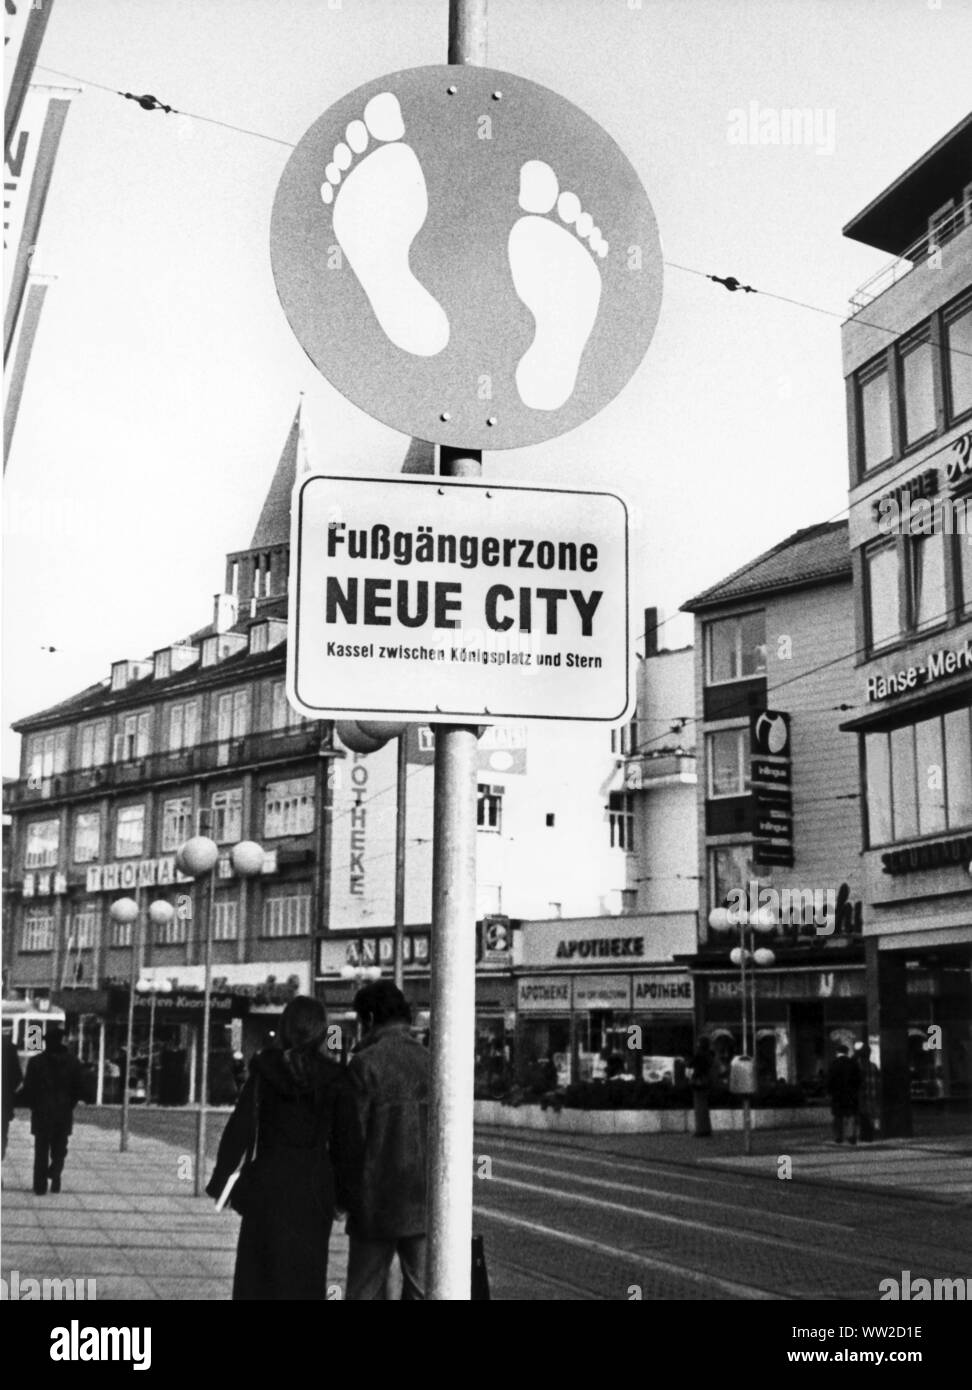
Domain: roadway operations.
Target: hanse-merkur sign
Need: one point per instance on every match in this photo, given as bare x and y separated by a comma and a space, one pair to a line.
452, 599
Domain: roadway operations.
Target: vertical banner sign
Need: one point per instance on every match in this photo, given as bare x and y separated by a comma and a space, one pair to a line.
771, 778
29, 154
23, 31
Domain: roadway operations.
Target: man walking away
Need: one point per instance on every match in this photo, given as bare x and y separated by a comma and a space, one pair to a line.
12, 1077
843, 1087
702, 1064
390, 1075
52, 1088
869, 1098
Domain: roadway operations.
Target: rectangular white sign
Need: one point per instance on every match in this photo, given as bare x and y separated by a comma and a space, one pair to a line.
454, 600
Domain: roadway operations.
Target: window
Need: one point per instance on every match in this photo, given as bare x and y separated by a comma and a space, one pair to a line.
132, 740
184, 725
489, 807
919, 778
232, 714
224, 923
730, 866
176, 821
227, 816
964, 547
621, 820
258, 638
130, 832
727, 759
43, 839
174, 932
958, 356
624, 741
38, 932
917, 359
958, 767
47, 754
94, 744
83, 927
289, 807
927, 603
87, 837
881, 595
281, 715
874, 417
121, 933
287, 916
877, 756
735, 648
163, 664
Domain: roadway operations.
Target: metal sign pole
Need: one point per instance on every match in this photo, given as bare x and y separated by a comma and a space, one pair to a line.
452, 991
400, 811
130, 1035
200, 1175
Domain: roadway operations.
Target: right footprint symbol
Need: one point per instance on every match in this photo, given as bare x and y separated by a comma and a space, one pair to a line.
379, 209
558, 281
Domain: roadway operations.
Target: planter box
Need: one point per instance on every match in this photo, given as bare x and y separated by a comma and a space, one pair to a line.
493, 1112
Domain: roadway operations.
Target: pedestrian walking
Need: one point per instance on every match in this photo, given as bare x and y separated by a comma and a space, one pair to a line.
869, 1097
12, 1077
702, 1066
52, 1087
294, 1130
843, 1087
390, 1075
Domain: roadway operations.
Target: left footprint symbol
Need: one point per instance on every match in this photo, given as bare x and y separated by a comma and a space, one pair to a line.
379, 208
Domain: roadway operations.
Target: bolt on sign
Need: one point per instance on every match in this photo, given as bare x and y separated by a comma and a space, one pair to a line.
467, 256
493, 601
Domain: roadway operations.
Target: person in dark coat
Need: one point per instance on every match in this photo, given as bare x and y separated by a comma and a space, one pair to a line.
12, 1077
52, 1087
843, 1087
299, 1106
390, 1074
702, 1067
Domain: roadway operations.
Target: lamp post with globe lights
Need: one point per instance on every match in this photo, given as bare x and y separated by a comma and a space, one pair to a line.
197, 858
743, 955
125, 912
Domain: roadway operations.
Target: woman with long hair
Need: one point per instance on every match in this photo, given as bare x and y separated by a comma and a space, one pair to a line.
295, 1130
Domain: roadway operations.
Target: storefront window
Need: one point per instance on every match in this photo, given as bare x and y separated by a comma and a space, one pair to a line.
958, 767
930, 765
878, 772
903, 790
543, 1054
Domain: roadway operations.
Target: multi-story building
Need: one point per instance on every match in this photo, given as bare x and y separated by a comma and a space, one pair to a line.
907, 351
200, 738
777, 806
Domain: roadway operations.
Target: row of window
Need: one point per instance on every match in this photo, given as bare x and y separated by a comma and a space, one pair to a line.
918, 385
288, 809
49, 753
284, 915
919, 778
906, 590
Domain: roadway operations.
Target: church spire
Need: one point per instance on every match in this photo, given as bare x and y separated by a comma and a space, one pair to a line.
273, 527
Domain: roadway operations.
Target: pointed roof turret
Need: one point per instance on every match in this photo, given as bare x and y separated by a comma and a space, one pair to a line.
273, 528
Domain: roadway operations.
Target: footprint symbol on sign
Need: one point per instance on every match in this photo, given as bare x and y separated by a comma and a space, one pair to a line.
557, 279
380, 205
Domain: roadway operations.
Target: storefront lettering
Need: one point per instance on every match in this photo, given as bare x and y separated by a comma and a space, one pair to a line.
945, 662
359, 821
936, 855
133, 873
603, 946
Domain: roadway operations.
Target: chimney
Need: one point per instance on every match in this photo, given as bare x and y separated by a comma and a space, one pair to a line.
652, 624
224, 612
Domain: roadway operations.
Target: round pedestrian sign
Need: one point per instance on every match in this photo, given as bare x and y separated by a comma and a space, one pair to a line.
467, 256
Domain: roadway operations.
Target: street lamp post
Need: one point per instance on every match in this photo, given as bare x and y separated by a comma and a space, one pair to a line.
198, 858
762, 920
125, 911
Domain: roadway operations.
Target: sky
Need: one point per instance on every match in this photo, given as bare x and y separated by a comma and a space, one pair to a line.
165, 375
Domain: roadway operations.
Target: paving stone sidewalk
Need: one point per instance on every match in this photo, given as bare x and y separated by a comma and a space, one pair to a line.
126, 1220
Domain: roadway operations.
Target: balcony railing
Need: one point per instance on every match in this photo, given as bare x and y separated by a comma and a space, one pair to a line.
642, 771
920, 251
268, 746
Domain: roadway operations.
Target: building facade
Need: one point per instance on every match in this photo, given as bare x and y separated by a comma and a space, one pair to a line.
777, 808
907, 351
